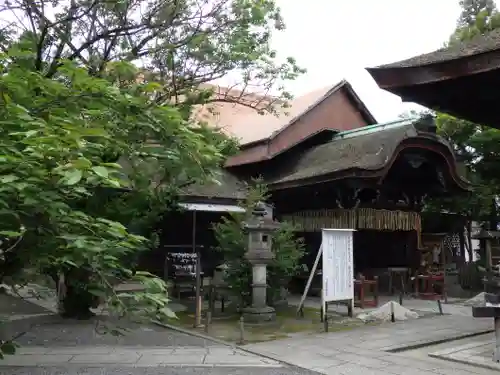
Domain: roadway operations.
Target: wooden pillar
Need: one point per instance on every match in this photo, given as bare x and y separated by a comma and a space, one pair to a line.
487, 245
461, 258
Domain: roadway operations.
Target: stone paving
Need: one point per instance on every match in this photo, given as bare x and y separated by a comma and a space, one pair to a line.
365, 351
478, 352
96, 356
46, 340
172, 370
68, 347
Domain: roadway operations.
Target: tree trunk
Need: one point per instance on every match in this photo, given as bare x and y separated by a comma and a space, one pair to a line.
77, 303
76, 300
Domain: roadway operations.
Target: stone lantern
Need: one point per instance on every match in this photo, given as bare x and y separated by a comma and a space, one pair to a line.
492, 278
259, 230
490, 308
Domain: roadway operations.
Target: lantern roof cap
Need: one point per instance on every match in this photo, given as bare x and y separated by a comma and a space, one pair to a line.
486, 234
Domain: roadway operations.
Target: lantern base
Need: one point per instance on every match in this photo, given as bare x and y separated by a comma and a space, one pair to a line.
265, 314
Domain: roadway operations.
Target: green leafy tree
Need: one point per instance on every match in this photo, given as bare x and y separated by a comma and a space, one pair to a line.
477, 17
85, 117
233, 244
180, 46
54, 139
472, 11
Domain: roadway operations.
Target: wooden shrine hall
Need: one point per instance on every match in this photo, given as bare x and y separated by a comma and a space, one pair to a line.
328, 164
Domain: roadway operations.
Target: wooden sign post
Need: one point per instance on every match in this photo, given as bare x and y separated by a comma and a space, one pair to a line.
336, 251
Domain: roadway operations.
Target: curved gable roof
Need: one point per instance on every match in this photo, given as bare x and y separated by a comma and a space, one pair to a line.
371, 149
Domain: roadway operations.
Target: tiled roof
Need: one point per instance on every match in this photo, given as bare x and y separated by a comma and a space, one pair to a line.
368, 148
480, 44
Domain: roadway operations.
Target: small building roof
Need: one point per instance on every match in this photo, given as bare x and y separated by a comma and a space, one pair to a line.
228, 187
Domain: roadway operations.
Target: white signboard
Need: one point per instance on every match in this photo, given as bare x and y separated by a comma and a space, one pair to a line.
338, 270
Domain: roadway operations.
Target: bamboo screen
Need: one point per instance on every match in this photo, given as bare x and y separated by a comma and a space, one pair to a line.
363, 218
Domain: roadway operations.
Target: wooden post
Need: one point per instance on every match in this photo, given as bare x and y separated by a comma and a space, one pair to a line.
489, 261
197, 320
443, 255
461, 247
208, 321
362, 292
211, 298
325, 318
242, 330
440, 307
350, 308
310, 279
322, 312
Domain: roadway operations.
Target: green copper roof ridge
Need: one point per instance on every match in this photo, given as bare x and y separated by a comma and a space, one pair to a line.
373, 128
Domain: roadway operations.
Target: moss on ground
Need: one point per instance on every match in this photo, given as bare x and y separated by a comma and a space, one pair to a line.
287, 324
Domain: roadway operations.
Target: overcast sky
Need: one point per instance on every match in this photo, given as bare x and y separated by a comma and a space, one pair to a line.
335, 39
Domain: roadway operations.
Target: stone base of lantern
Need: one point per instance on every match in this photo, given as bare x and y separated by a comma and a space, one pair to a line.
257, 315
491, 310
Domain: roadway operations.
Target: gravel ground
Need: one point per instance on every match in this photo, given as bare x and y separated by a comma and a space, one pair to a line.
10, 305
61, 332
51, 330
154, 371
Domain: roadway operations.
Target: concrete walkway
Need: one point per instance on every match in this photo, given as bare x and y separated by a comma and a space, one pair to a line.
370, 350
48, 341
477, 352
136, 357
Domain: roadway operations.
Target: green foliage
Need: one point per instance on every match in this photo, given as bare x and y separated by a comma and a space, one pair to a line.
467, 140
7, 348
93, 150
54, 139
53, 136
181, 44
477, 17
233, 244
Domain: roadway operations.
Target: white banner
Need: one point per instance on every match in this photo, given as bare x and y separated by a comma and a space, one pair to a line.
338, 269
